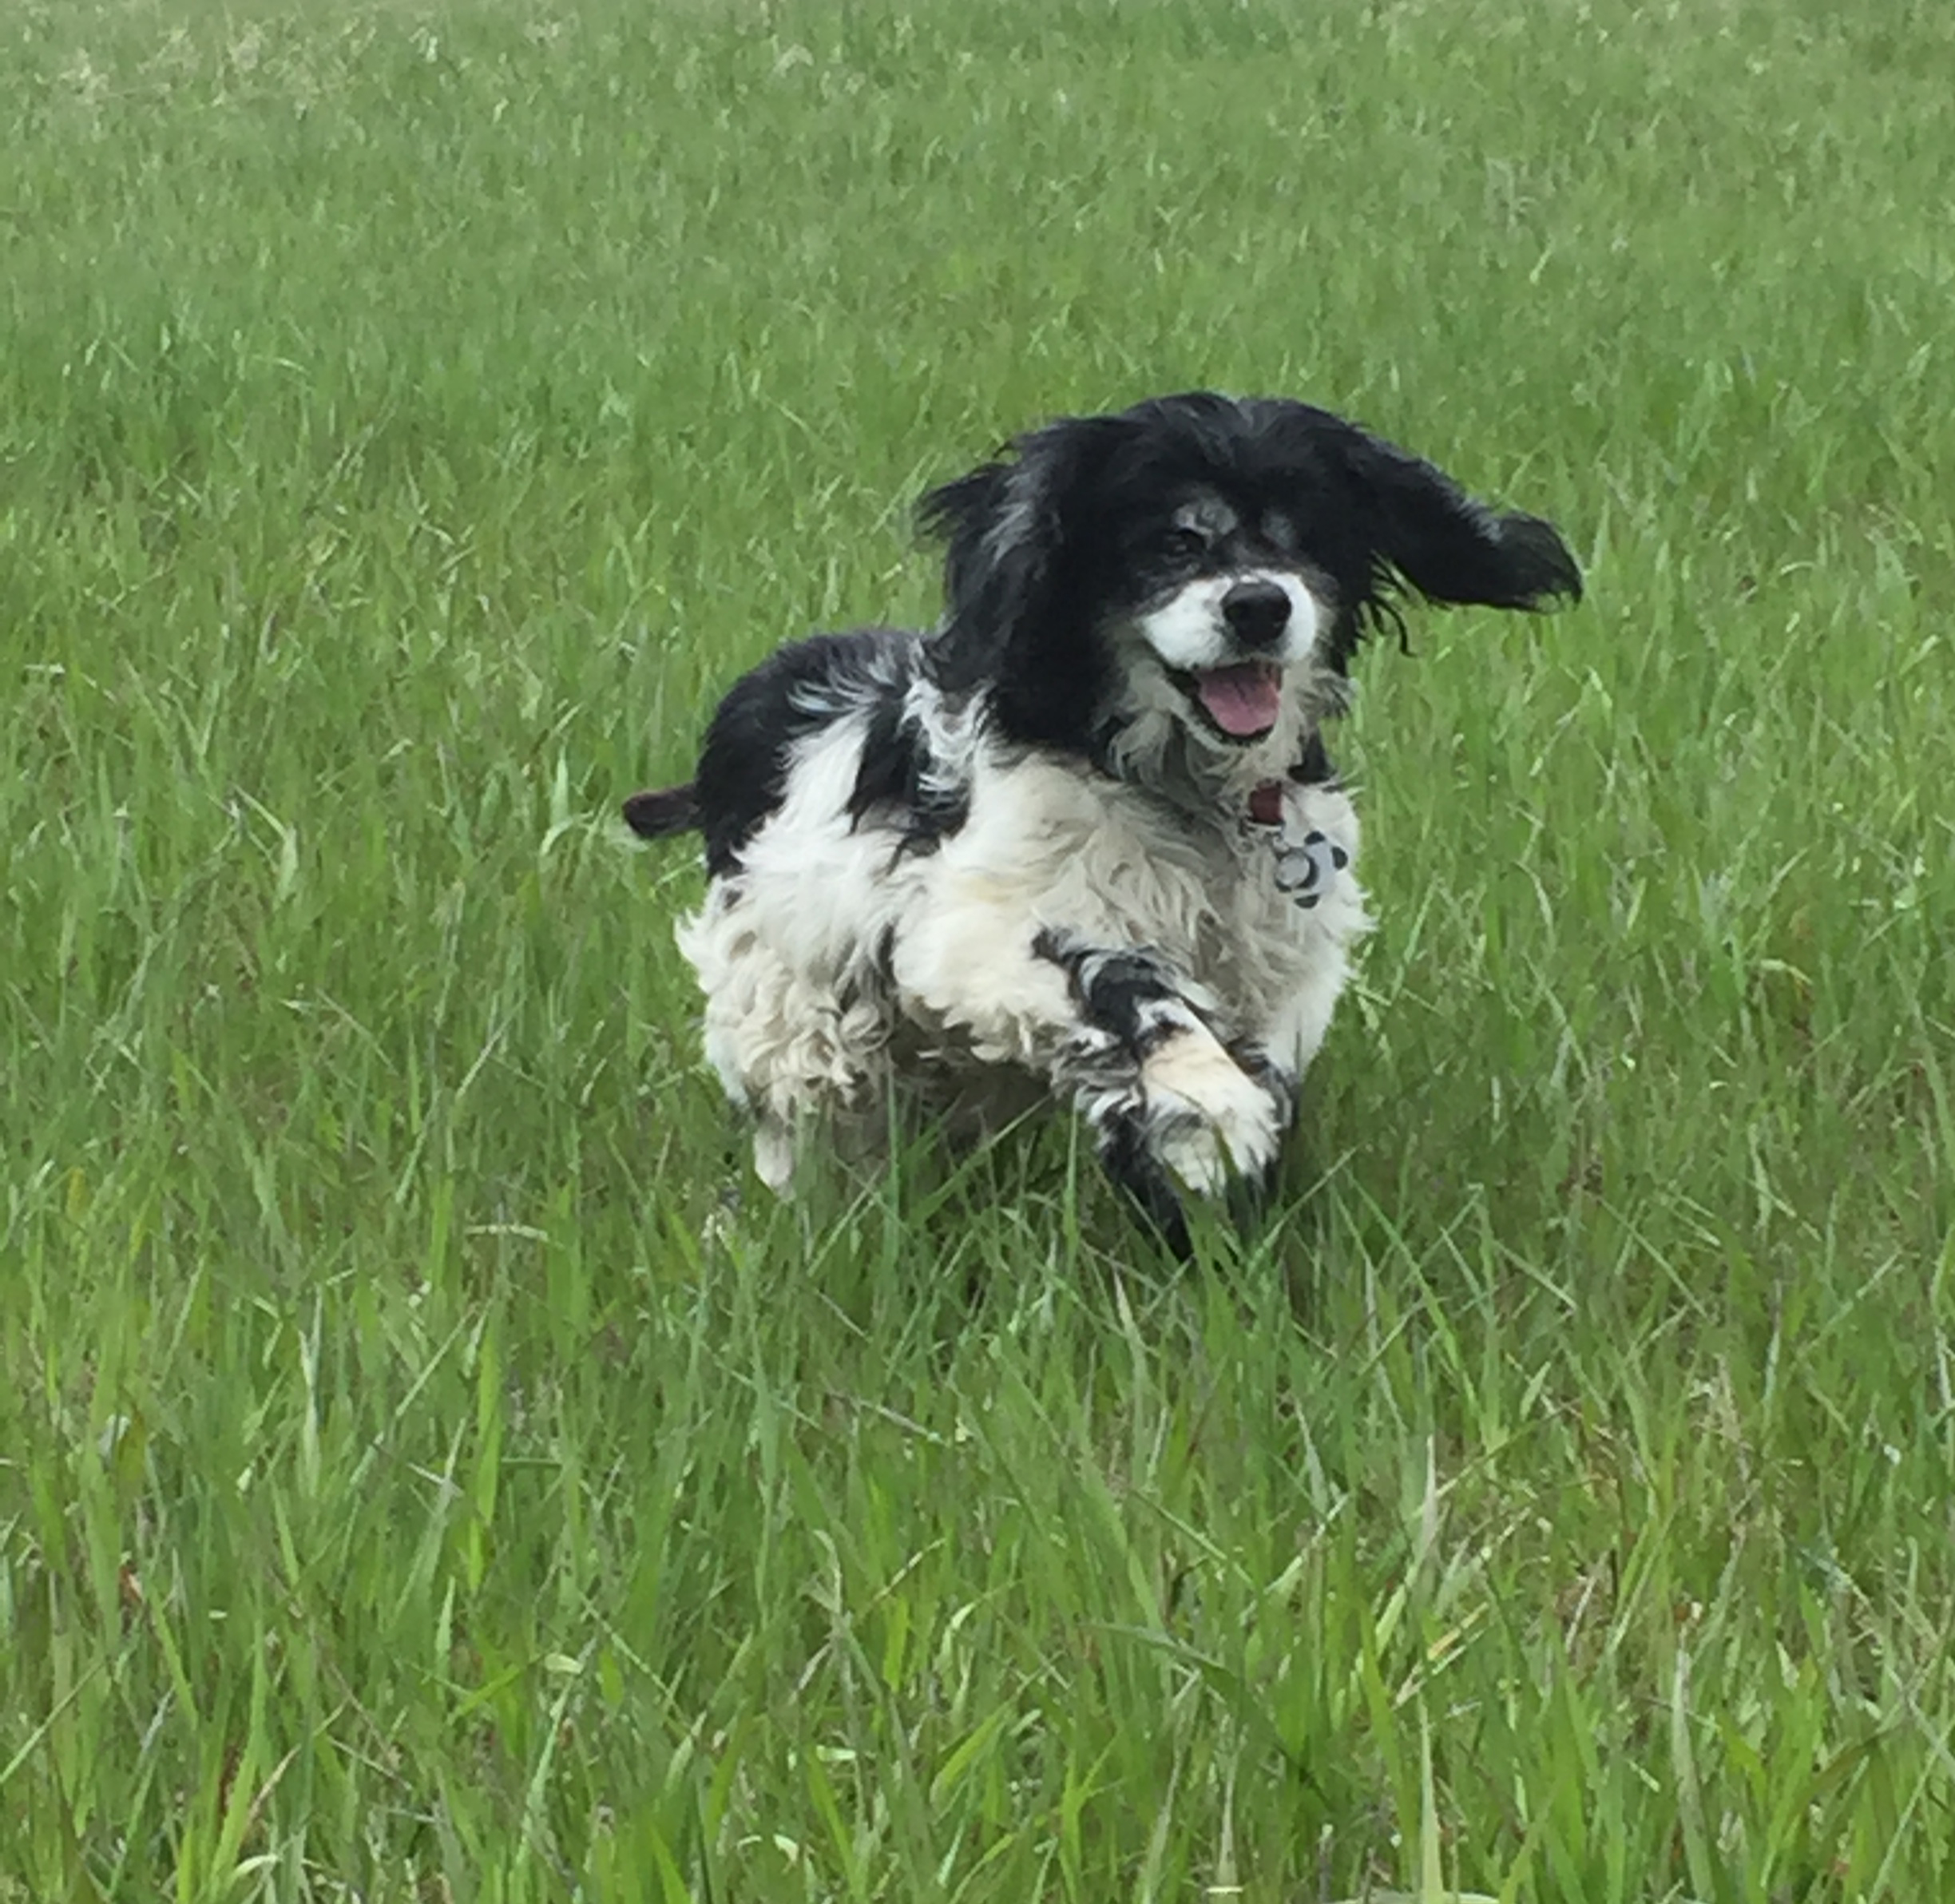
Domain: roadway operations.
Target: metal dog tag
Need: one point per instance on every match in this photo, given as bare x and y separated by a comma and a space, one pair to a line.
1305, 872
1297, 870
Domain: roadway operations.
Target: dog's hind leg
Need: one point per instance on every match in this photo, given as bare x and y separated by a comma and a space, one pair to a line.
798, 1054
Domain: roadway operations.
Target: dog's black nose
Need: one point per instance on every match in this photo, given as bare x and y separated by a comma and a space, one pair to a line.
1257, 612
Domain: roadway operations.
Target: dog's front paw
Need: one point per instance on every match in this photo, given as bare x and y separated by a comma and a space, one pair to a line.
1208, 1120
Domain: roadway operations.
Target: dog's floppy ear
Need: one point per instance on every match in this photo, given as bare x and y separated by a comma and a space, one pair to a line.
1003, 528
1423, 526
993, 558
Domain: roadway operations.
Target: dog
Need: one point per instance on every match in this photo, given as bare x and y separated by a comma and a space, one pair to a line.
1084, 840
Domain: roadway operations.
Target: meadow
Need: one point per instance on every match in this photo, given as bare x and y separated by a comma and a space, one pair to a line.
430, 1468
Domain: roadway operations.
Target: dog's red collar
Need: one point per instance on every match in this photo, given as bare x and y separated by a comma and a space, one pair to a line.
1313, 769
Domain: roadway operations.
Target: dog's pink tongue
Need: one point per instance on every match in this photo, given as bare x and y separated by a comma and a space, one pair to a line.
1243, 699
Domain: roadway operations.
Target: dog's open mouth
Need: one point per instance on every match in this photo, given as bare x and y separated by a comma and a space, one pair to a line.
1243, 699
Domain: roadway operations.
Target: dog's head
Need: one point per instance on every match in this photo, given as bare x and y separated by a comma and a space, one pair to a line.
1184, 584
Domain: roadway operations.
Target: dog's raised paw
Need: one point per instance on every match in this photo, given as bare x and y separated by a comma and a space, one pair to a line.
1208, 1120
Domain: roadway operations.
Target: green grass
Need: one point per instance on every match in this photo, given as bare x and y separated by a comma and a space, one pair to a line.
428, 1469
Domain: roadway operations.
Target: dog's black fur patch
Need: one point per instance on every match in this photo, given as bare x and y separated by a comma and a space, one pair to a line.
1114, 989
895, 779
1314, 767
797, 690
660, 813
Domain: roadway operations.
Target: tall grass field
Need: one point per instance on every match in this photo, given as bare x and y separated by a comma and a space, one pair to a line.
432, 1469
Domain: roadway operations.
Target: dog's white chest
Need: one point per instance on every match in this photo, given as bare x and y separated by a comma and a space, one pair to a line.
1258, 915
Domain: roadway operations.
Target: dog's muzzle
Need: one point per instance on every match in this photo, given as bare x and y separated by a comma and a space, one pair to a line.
1225, 644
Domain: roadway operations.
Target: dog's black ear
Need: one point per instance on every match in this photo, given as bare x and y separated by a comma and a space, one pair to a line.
992, 566
1004, 529
1423, 526
1000, 531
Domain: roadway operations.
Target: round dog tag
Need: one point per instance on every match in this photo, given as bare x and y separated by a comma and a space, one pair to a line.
1297, 870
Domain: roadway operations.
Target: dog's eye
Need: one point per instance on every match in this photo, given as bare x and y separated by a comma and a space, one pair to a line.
1184, 540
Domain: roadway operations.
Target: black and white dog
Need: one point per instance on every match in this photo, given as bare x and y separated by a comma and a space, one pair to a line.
1084, 838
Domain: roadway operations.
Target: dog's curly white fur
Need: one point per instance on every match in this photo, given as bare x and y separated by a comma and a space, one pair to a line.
1085, 838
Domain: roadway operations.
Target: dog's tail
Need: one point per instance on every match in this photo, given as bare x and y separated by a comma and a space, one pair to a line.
667, 810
